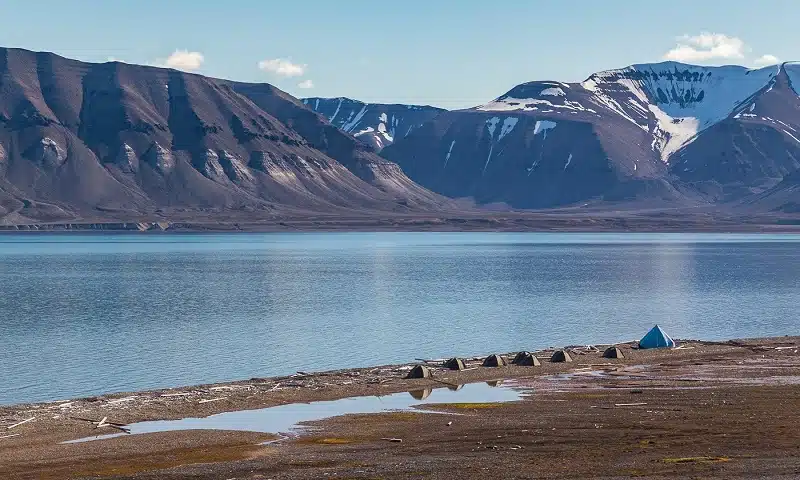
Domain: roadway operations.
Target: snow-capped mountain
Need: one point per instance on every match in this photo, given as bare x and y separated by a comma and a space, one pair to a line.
666, 132
375, 124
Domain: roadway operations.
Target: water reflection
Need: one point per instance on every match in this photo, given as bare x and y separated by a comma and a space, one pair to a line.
421, 394
290, 418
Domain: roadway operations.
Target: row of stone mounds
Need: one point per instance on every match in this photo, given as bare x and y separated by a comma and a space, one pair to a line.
522, 359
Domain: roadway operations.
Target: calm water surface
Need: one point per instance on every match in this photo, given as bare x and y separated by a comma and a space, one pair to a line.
88, 314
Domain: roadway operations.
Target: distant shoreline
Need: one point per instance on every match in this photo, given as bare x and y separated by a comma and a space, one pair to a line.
557, 223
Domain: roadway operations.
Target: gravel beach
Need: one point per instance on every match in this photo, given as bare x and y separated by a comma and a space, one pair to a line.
706, 409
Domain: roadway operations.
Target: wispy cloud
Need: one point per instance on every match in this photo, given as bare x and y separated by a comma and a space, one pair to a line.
705, 47
183, 60
767, 60
306, 84
282, 67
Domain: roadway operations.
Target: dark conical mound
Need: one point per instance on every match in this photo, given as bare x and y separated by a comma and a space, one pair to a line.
560, 356
526, 360
495, 361
454, 364
613, 352
420, 371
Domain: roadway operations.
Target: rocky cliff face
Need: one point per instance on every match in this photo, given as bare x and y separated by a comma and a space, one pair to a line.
82, 140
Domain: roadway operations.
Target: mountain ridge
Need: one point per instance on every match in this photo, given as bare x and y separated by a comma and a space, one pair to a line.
623, 129
375, 124
114, 139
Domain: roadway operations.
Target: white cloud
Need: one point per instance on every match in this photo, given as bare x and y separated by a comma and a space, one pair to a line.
183, 60
282, 67
767, 60
306, 84
706, 46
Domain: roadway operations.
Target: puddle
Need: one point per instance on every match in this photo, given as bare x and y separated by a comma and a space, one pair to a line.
284, 419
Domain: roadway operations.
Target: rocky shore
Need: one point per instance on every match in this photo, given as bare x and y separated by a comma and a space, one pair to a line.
711, 409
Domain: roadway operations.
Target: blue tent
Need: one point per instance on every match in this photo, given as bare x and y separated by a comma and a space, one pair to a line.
656, 338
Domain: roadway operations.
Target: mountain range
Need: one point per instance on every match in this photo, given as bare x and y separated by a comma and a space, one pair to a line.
126, 142
664, 134
119, 142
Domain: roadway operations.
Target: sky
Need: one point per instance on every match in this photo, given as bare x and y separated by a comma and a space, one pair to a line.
448, 53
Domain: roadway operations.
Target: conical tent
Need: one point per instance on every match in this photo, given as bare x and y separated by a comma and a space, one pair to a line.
527, 360
419, 371
520, 356
494, 361
613, 352
560, 356
656, 338
454, 364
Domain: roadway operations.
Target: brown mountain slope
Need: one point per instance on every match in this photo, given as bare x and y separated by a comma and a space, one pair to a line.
121, 141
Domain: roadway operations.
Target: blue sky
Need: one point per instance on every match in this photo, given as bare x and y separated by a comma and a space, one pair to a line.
451, 53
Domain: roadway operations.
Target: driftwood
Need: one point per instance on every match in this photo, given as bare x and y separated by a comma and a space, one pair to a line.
395, 440
435, 360
209, 400
120, 400
22, 423
122, 427
12, 435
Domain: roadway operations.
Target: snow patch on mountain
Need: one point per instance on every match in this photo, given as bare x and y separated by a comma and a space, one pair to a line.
508, 125
378, 125
510, 104
793, 137
682, 99
449, 152
491, 124
383, 132
351, 124
335, 113
543, 126
554, 91
364, 131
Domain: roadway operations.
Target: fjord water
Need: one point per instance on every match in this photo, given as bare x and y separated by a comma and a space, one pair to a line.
89, 314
